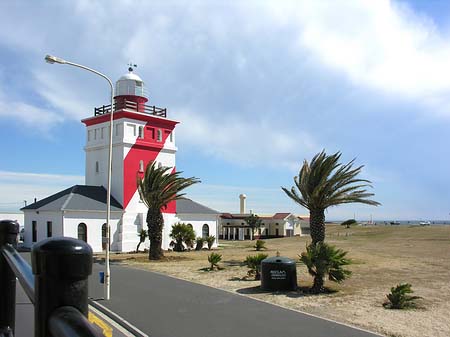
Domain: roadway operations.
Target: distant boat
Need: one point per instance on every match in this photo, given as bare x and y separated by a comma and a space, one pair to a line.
425, 223
395, 222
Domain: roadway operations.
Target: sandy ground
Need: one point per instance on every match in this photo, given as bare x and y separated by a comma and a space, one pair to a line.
383, 256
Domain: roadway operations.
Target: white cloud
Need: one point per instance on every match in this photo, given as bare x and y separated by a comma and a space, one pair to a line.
19, 186
28, 115
380, 44
245, 142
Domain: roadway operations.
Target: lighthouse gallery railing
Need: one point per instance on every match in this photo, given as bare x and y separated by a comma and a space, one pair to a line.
56, 284
132, 106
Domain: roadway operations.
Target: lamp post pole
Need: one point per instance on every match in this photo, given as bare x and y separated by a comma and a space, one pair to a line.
53, 59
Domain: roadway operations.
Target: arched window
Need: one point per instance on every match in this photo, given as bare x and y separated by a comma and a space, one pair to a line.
97, 169
205, 231
82, 232
190, 225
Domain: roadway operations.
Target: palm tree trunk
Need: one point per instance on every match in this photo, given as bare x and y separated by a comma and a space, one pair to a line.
155, 223
137, 248
317, 287
317, 225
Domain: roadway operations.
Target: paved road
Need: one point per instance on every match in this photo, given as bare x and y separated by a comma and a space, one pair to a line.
166, 307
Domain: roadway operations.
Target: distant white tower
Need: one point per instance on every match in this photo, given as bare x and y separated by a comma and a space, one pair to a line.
141, 134
242, 198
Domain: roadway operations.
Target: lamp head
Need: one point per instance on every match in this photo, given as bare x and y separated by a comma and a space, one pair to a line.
53, 59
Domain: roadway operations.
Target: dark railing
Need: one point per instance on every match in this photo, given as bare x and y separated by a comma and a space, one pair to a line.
56, 283
133, 106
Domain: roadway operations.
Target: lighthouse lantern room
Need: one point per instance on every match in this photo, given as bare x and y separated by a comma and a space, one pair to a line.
141, 134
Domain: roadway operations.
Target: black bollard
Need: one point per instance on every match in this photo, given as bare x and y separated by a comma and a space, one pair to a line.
61, 267
8, 234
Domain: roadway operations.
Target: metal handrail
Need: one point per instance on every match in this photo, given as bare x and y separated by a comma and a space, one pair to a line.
56, 283
21, 269
133, 106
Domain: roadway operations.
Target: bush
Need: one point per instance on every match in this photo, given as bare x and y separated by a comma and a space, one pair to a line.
199, 243
254, 264
210, 240
399, 298
181, 233
260, 245
142, 236
349, 222
323, 260
214, 260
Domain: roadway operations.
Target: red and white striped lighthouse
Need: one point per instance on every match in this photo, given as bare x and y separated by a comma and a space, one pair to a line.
141, 133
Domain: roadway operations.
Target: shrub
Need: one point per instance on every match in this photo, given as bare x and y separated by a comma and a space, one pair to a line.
214, 260
210, 240
142, 236
322, 260
199, 243
260, 245
399, 298
181, 233
349, 222
254, 264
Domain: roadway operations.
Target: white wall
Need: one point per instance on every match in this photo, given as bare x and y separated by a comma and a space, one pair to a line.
198, 220
41, 218
94, 222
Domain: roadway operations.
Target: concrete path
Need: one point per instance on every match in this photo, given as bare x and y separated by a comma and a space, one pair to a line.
162, 306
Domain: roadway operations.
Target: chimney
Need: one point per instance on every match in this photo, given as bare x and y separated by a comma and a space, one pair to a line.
35, 200
242, 197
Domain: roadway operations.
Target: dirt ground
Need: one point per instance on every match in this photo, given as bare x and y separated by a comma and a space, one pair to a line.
383, 256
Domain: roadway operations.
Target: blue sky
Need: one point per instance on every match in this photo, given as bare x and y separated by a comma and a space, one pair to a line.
257, 85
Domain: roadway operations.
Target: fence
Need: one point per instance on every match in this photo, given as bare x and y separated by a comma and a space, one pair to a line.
56, 283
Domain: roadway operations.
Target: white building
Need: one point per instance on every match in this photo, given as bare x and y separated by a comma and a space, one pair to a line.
141, 134
233, 226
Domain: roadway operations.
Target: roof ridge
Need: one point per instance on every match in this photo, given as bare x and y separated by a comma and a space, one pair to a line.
63, 206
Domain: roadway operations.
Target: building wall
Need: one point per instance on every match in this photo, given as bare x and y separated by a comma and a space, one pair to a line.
69, 226
41, 218
198, 220
94, 222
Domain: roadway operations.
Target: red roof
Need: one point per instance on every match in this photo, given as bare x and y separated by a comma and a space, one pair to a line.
280, 216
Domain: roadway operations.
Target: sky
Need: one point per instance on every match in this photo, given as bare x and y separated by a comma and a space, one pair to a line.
258, 86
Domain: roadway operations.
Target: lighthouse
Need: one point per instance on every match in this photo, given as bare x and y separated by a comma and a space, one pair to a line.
142, 133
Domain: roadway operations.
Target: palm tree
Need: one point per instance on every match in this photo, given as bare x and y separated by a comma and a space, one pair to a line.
158, 188
142, 236
253, 221
325, 182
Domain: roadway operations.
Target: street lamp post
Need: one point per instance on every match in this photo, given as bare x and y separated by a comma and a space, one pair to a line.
53, 59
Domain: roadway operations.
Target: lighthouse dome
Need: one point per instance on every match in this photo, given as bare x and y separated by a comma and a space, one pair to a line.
130, 85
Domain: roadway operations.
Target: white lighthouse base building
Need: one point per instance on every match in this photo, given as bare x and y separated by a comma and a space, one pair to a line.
141, 134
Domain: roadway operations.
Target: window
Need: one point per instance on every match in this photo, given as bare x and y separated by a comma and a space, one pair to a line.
82, 232
159, 135
171, 137
189, 225
102, 133
97, 168
34, 230
89, 135
49, 229
159, 165
141, 132
205, 231
95, 133
141, 166
131, 130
